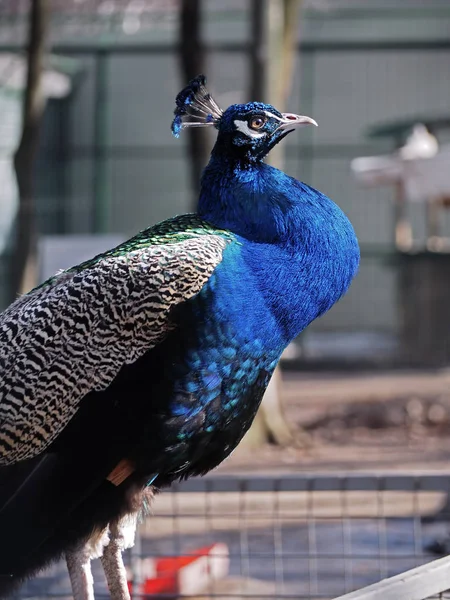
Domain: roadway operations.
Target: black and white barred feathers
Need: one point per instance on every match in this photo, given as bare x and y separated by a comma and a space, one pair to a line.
74, 333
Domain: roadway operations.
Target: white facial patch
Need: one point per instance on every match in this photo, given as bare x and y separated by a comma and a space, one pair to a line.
245, 129
272, 116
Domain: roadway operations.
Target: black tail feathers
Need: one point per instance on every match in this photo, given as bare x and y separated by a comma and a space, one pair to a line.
46, 507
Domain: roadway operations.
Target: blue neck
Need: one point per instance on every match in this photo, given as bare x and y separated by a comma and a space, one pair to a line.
299, 245
251, 199
265, 205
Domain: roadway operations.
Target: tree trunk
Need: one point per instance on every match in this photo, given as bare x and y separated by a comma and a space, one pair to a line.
272, 57
192, 60
24, 262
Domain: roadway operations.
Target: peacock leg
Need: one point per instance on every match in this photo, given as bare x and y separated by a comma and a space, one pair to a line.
79, 565
121, 537
81, 580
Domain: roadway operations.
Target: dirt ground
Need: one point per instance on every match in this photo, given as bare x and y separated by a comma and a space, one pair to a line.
360, 422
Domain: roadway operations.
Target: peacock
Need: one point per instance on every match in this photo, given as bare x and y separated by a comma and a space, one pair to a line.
146, 364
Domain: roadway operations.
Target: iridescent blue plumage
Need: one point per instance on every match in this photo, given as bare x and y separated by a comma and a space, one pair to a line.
294, 255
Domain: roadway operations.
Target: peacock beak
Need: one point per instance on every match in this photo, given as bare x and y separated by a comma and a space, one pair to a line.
291, 120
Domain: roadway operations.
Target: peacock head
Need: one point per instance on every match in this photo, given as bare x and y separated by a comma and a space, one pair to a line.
246, 131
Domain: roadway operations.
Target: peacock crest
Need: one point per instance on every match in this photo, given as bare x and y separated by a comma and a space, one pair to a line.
195, 107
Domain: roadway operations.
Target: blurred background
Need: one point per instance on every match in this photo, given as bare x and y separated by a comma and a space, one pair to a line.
352, 485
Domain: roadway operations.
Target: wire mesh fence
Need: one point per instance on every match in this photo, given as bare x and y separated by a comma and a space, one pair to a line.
297, 536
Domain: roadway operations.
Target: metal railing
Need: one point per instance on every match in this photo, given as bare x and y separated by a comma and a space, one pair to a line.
428, 581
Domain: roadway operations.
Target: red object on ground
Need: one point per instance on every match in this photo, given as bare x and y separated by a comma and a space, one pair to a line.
187, 574
163, 585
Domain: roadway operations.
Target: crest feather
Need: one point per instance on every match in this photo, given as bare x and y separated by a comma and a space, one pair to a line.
195, 107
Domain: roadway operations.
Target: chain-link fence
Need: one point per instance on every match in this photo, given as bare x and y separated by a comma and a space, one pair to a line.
297, 536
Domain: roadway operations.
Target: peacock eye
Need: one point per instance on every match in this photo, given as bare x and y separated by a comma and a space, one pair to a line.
257, 122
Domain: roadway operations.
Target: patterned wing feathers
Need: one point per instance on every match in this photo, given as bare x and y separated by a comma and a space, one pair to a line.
74, 334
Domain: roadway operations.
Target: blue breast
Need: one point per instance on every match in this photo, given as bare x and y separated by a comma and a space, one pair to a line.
222, 356
293, 257
296, 251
